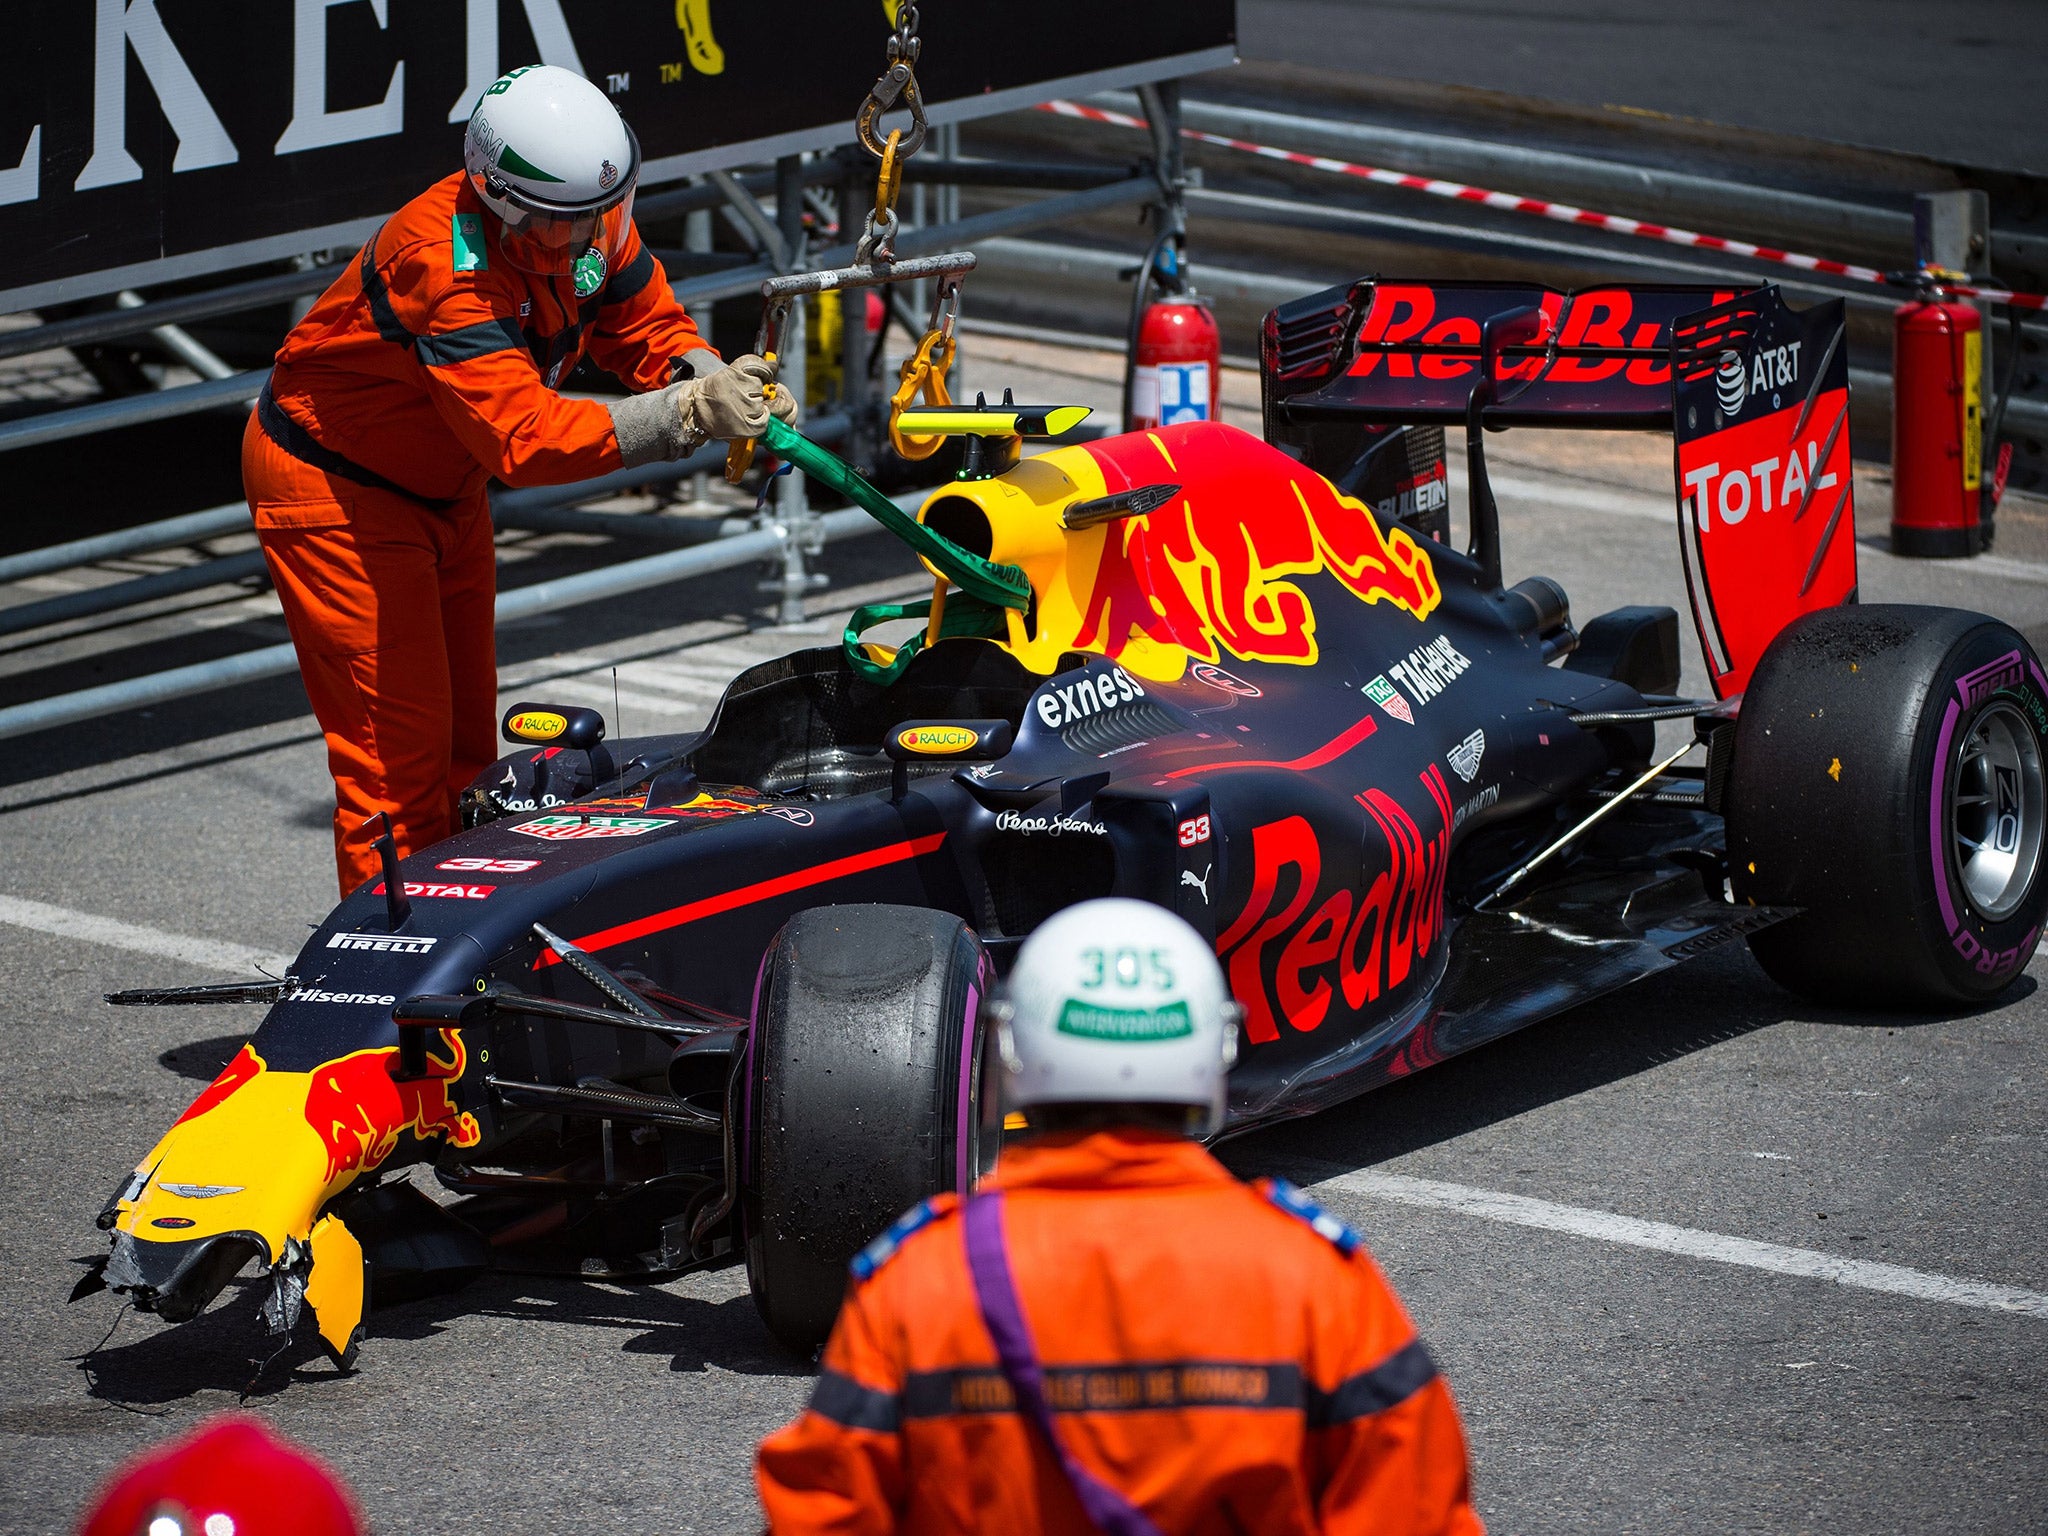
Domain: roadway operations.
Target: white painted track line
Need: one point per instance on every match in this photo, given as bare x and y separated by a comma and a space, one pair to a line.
213, 954
1577, 1221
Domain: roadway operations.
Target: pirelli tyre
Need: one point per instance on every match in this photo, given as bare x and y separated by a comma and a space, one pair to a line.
871, 1090
1888, 778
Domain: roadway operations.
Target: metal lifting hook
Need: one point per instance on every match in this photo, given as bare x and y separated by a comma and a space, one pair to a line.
925, 371
897, 87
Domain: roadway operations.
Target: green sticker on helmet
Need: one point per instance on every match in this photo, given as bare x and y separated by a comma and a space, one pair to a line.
1092, 1021
589, 272
466, 244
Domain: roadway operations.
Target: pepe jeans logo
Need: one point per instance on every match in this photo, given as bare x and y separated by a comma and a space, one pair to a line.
1050, 826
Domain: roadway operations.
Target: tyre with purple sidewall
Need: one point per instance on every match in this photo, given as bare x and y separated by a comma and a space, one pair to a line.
1891, 780
870, 1091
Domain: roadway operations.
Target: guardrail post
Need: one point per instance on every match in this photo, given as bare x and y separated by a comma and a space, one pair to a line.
1953, 230
801, 535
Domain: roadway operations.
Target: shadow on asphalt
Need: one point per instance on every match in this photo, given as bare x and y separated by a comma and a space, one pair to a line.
201, 1061
147, 1364
1664, 1018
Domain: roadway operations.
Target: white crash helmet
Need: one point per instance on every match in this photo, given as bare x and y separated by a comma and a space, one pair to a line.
1117, 1001
549, 155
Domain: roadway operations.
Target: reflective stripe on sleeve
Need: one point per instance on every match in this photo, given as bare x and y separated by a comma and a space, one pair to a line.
845, 1401
1163, 1385
496, 334
626, 284
389, 326
1387, 1385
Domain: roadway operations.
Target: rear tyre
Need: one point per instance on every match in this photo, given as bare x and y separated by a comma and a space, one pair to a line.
868, 1071
1889, 778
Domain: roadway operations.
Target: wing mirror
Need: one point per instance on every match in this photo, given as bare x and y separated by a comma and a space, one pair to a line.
554, 725
959, 741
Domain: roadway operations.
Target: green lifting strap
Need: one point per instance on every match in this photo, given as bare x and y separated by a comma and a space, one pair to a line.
965, 615
1003, 585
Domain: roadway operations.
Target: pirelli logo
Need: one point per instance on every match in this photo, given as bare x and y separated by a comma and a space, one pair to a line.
1111, 1389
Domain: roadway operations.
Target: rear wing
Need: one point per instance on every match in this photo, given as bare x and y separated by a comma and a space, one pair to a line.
1754, 393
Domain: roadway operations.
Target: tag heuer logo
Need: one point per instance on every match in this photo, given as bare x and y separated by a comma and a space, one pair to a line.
1464, 757
1382, 693
589, 272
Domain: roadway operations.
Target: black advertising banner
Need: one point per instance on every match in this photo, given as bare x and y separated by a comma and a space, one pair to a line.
150, 139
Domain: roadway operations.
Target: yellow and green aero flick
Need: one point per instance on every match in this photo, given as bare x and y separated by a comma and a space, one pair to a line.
992, 420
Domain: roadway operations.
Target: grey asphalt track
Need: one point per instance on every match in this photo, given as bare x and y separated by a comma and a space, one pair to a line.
1606, 1387
1959, 82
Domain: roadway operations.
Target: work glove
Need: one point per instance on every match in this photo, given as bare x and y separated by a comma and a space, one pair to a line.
734, 402
725, 402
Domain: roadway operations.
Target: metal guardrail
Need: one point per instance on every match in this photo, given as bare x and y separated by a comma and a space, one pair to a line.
565, 591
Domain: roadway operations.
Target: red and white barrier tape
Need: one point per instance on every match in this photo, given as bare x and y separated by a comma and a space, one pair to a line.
1563, 213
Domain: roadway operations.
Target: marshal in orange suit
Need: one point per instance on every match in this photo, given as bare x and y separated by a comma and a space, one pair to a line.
1113, 1334
429, 369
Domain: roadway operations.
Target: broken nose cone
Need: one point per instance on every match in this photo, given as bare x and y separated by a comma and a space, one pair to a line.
177, 1279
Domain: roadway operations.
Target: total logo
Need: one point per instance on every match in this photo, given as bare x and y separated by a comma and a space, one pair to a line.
1769, 483
1088, 695
1429, 670
382, 943
440, 889
489, 866
567, 829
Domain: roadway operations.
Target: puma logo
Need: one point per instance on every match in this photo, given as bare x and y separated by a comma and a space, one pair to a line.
1187, 877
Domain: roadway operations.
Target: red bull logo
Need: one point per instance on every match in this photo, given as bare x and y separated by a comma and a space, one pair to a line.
1292, 963
1210, 571
359, 1110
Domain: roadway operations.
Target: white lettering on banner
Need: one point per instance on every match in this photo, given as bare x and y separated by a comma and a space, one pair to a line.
1759, 486
118, 26
550, 36
312, 125
24, 184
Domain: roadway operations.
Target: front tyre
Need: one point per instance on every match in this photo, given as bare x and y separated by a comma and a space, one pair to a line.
868, 1076
1891, 778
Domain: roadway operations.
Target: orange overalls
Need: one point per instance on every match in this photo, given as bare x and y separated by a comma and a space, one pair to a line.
427, 370
1208, 1354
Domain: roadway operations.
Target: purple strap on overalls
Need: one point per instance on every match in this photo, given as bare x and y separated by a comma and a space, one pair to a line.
988, 1260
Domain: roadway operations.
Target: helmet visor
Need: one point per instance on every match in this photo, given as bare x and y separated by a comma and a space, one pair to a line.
551, 244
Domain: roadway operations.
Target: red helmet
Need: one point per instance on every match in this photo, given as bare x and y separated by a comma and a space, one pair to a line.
229, 1477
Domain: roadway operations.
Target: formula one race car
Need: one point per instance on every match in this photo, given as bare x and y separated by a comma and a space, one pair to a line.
690, 1001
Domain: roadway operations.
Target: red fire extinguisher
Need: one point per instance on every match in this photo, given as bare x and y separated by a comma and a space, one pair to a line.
1937, 426
1174, 369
